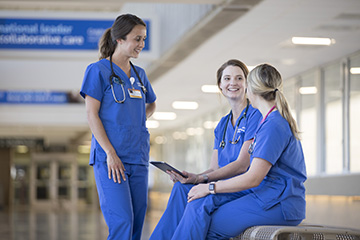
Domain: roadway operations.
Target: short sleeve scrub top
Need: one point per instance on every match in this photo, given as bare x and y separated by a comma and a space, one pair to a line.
124, 123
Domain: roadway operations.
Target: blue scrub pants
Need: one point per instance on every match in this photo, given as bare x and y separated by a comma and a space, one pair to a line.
123, 205
218, 216
173, 213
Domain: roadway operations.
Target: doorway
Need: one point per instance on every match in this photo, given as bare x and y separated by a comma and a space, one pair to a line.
53, 181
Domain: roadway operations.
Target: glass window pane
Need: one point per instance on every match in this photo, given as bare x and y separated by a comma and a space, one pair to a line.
42, 181
83, 173
64, 180
307, 123
21, 184
333, 120
354, 116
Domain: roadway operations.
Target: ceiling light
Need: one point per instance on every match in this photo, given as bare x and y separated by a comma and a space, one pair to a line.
185, 105
160, 140
164, 115
152, 124
355, 70
84, 149
195, 131
22, 149
179, 135
176, 135
210, 124
210, 89
308, 90
312, 41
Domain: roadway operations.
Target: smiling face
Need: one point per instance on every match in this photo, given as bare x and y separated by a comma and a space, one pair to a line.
134, 42
233, 82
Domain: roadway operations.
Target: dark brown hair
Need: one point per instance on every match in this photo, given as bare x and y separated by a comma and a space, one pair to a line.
122, 26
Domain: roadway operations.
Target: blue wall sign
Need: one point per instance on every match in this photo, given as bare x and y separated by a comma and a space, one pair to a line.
34, 97
55, 34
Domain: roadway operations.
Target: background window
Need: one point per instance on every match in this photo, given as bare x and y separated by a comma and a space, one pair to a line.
354, 116
333, 119
307, 123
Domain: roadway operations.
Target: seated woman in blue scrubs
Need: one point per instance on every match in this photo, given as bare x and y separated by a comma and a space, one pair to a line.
119, 98
272, 191
233, 136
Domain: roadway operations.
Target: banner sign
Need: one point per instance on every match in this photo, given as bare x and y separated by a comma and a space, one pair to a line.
13, 142
55, 34
34, 97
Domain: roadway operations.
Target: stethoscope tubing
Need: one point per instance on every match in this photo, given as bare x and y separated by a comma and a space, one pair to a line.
222, 143
113, 75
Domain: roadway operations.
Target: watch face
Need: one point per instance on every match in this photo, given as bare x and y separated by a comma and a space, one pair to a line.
212, 188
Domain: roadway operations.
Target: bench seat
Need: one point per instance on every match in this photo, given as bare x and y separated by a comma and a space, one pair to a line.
300, 232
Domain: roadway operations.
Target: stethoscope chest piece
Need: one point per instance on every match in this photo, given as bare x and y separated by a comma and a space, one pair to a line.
116, 80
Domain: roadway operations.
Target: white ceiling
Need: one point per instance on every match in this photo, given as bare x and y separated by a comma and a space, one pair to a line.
261, 35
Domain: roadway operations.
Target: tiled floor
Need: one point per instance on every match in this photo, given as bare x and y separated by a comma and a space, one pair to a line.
90, 225
86, 224
65, 225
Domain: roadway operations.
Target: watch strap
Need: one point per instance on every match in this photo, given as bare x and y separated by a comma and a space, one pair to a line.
206, 178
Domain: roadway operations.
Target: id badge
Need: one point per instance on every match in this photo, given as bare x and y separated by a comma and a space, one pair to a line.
134, 93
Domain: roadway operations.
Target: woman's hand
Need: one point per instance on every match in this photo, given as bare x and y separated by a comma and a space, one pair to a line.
116, 168
175, 177
198, 191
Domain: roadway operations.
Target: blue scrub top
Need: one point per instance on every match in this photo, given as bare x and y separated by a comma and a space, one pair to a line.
124, 123
284, 184
246, 131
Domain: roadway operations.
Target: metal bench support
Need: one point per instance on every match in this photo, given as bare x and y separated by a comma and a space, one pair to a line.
302, 232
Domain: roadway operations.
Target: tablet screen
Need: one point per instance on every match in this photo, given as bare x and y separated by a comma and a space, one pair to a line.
166, 167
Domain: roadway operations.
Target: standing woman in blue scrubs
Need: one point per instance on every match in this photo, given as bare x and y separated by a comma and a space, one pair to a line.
119, 99
233, 136
272, 191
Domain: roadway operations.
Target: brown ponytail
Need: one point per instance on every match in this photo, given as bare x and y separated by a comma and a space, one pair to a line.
106, 45
284, 109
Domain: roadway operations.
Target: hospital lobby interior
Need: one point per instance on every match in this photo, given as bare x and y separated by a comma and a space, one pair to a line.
47, 187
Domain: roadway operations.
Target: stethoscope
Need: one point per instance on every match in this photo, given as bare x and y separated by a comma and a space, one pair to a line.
222, 143
115, 78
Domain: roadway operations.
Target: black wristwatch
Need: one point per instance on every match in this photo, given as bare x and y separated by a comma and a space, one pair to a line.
212, 187
206, 178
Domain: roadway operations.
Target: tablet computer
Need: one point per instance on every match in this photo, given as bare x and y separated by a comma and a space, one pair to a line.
166, 167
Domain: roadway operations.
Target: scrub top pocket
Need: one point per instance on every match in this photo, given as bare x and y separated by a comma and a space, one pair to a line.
269, 192
132, 144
